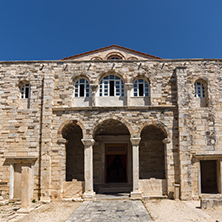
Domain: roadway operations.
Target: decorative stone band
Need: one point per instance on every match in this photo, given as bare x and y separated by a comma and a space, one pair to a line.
61, 141
166, 140
135, 141
88, 142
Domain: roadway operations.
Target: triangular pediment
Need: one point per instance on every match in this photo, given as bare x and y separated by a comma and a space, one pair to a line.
112, 52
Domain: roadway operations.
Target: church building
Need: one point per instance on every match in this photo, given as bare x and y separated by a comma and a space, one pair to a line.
111, 120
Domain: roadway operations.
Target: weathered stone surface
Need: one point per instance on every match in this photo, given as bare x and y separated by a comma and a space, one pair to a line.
37, 129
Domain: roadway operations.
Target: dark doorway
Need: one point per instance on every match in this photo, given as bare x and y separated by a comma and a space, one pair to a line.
116, 163
209, 176
116, 168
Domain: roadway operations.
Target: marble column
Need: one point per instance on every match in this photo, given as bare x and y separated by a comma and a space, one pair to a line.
128, 86
136, 193
11, 183
26, 188
168, 169
88, 168
93, 89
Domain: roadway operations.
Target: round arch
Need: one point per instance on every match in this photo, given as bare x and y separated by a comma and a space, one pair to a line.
156, 123
140, 76
68, 122
112, 72
99, 122
81, 76
113, 54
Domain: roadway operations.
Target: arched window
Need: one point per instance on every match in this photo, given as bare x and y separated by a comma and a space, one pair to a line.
25, 91
111, 86
140, 88
199, 89
114, 57
81, 88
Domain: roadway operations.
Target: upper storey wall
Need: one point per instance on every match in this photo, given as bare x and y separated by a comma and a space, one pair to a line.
160, 76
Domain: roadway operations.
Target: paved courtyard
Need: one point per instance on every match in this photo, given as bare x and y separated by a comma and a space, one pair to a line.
110, 210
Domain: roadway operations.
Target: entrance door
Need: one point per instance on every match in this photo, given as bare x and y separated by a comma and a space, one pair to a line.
209, 176
116, 163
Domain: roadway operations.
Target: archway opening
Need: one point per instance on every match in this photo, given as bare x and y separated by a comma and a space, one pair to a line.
151, 153
74, 152
111, 153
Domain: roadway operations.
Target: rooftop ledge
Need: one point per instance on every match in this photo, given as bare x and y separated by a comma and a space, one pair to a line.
110, 108
110, 61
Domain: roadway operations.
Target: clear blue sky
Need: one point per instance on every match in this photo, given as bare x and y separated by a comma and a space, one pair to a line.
52, 29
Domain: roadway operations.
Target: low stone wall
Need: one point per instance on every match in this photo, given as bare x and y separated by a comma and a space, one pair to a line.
210, 201
153, 187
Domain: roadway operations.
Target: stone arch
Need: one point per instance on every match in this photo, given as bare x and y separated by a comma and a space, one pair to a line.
100, 121
157, 123
200, 78
111, 72
68, 122
81, 76
96, 58
72, 135
118, 54
139, 76
112, 152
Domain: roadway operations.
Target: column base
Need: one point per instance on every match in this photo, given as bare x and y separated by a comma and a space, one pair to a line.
89, 195
136, 195
45, 199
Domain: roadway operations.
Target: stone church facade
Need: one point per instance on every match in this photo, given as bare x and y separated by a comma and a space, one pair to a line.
111, 118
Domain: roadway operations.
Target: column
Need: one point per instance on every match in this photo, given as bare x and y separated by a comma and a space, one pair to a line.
11, 182
26, 188
128, 86
88, 168
136, 193
94, 89
172, 186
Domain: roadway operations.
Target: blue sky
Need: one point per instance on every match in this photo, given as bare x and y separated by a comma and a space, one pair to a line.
52, 29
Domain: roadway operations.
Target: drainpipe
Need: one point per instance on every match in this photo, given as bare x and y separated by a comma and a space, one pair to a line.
40, 140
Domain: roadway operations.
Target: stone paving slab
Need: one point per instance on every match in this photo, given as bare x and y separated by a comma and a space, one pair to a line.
110, 210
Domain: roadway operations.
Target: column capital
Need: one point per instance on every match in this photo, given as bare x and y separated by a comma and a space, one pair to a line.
62, 141
135, 141
93, 87
88, 142
129, 86
166, 140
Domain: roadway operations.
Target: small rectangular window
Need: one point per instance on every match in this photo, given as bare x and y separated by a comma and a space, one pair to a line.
141, 90
81, 93
111, 88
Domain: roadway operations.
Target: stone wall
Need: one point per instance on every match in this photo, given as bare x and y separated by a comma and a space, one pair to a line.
34, 132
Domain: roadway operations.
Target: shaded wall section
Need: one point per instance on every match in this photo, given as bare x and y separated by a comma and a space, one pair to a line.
151, 153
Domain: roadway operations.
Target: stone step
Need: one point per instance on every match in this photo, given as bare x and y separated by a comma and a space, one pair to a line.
118, 196
103, 190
